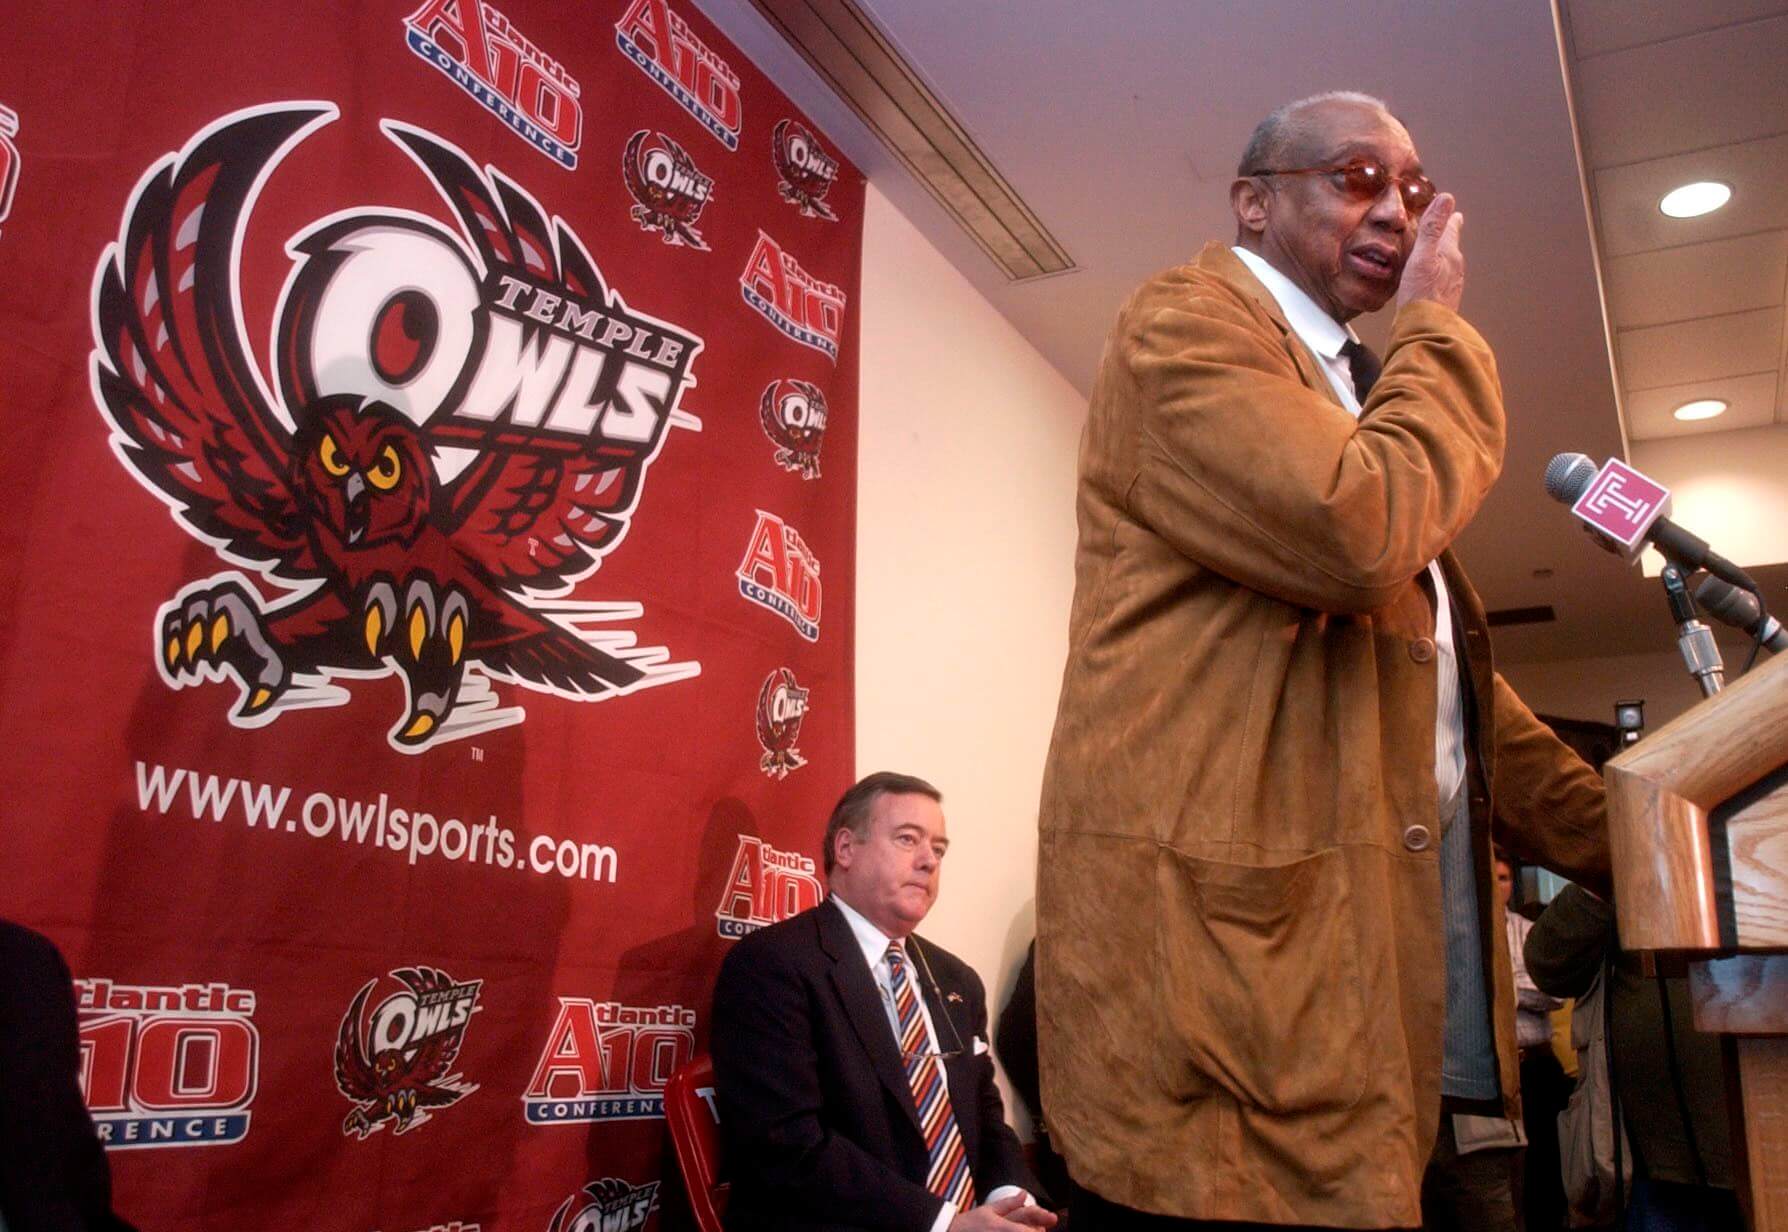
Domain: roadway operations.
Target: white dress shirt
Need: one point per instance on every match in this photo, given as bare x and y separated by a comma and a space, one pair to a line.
1533, 1024
1325, 337
874, 944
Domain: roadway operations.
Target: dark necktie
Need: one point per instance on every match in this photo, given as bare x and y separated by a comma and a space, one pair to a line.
1364, 365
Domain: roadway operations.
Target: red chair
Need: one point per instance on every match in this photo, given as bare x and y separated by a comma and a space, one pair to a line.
694, 1122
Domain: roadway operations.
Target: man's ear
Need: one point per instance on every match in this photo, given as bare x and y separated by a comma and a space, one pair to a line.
1248, 198
843, 846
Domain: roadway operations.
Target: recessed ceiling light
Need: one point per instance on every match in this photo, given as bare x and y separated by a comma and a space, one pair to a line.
1694, 200
1703, 408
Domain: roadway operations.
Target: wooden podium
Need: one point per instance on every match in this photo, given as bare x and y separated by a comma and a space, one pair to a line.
1698, 824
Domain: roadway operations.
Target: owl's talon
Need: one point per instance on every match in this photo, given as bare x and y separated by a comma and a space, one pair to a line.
258, 700
434, 629
418, 631
380, 607
219, 631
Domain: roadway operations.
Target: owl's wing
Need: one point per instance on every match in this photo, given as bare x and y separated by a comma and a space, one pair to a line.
171, 370
352, 1074
534, 519
435, 1057
539, 519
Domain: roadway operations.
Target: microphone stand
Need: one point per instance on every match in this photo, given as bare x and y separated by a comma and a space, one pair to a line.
1693, 636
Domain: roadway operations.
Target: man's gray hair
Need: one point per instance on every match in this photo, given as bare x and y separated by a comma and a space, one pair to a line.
856, 806
1284, 133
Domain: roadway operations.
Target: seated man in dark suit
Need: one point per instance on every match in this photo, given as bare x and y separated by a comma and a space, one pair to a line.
856, 1090
53, 1172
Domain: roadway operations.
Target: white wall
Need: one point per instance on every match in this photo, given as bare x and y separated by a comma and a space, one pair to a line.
1728, 486
965, 570
1588, 688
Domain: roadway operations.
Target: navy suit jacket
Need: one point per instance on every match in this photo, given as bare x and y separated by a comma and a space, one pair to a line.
815, 1112
53, 1172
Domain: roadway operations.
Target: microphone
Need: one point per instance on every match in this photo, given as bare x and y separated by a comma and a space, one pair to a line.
1740, 609
1625, 509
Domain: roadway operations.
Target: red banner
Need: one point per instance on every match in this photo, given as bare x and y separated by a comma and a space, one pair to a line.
425, 583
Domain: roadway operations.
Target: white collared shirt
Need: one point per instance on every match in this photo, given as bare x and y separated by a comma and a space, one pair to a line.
1325, 337
874, 943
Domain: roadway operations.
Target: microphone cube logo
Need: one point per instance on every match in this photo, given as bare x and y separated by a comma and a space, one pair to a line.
1622, 504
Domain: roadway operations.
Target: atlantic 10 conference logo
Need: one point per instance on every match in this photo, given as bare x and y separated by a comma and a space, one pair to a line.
397, 1065
766, 885
781, 705
480, 51
793, 416
670, 192
805, 172
464, 422
167, 1066
803, 307
779, 572
608, 1205
657, 39
604, 1061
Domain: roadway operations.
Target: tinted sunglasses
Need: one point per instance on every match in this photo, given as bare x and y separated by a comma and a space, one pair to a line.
1365, 180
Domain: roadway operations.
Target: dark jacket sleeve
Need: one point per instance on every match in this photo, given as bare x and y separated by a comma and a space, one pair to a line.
1017, 1036
1001, 1159
766, 1076
53, 1173
1551, 807
1566, 946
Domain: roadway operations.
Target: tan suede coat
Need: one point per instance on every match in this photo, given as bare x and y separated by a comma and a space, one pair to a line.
1240, 964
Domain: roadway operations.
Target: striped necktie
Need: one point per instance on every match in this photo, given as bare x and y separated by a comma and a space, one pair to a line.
948, 1176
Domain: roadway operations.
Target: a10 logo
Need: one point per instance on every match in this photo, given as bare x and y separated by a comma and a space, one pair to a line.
163, 1066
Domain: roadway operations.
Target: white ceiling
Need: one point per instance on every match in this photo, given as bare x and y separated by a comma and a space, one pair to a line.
1667, 93
1120, 123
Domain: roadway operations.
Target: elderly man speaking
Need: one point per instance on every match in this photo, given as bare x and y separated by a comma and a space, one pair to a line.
1269, 958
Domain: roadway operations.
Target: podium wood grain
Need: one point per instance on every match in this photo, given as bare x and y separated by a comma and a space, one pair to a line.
1675, 885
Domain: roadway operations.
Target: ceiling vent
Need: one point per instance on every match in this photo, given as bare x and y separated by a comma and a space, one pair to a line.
844, 47
1503, 617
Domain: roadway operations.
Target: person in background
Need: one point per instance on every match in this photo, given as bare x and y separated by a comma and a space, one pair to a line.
1539, 1191
53, 1172
855, 1083
1015, 1039
1668, 1078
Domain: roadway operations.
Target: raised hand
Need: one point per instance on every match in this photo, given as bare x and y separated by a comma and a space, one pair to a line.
1436, 266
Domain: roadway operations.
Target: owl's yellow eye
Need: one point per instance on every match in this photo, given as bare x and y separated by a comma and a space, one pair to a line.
329, 453
385, 472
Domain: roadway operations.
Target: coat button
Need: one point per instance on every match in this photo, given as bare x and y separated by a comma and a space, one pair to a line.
1417, 838
1422, 649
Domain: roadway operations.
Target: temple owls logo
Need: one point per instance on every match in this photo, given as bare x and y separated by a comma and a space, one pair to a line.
781, 705
9, 159
793, 415
670, 192
464, 421
398, 1065
608, 1205
806, 172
